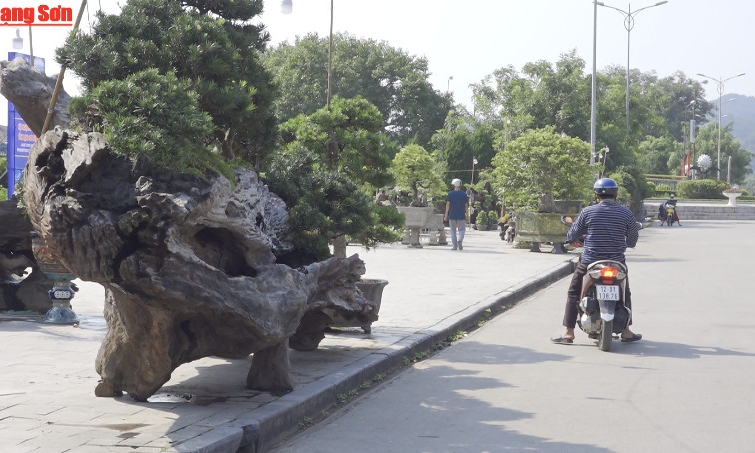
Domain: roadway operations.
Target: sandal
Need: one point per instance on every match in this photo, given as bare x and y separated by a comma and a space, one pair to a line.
632, 339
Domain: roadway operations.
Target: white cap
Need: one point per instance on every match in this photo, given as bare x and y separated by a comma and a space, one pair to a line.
456, 182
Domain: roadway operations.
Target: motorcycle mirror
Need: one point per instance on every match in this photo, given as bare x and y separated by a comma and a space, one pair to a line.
567, 220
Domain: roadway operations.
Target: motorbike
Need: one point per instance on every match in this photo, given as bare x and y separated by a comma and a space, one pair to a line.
602, 312
667, 214
670, 210
601, 309
508, 228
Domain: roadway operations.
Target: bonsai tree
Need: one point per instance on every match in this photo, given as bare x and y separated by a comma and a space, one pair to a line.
209, 50
542, 165
330, 163
415, 170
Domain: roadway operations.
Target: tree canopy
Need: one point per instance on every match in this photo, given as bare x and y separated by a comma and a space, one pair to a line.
415, 170
208, 47
542, 162
328, 163
349, 138
389, 78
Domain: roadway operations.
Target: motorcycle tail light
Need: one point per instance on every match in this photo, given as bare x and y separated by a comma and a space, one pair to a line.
608, 275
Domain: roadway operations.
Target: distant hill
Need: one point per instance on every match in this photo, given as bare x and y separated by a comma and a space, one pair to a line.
740, 112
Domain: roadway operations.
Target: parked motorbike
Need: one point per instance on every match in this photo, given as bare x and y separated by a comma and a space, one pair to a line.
601, 308
508, 228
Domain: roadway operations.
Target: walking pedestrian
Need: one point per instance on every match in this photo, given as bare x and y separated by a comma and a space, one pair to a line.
457, 205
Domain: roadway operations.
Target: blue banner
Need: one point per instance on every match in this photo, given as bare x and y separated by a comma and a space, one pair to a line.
20, 136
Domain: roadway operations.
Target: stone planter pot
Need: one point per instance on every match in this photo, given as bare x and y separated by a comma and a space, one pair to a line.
372, 289
538, 227
732, 196
415, 219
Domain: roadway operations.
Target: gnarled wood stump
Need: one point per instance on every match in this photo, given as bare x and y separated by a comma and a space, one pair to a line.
188, 263
19, 290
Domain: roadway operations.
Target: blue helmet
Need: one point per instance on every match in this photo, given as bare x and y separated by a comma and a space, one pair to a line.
605, 186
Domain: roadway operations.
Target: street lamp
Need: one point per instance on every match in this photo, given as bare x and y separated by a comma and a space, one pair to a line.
18, 41
720, 93
594, 83
448, 85
604, 157
286, 8
629, 24
18, 44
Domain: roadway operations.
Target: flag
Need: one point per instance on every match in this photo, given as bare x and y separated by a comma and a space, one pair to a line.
474, 161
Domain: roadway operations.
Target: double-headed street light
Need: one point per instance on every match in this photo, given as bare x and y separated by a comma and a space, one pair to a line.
629, 24
720, 83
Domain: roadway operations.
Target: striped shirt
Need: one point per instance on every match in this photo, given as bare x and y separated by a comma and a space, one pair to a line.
608, 230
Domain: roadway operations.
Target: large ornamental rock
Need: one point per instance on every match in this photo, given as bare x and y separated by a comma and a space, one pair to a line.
191, 266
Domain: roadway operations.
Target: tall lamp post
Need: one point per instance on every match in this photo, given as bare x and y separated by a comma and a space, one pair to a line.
629, 24
594, 83
720, 83
287, 7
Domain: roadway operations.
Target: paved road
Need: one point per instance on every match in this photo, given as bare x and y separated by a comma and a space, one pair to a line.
686, 387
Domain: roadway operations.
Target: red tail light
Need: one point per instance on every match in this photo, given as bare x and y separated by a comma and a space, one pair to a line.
608, 275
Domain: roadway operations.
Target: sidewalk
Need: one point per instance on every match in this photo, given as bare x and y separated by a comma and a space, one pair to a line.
47, 401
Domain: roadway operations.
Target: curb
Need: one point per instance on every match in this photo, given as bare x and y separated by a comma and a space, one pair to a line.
280, 419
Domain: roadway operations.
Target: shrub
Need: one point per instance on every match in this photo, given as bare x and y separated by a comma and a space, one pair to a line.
701, 189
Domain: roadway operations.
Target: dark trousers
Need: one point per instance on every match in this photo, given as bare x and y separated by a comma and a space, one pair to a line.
575, 290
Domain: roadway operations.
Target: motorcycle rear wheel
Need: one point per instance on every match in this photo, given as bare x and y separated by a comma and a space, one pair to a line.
606, 336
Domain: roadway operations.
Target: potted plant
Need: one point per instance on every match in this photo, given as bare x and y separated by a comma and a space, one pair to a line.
481, 221
416, 171
535, 169
732, 193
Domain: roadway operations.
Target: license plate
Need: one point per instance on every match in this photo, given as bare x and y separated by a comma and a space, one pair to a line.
607, 292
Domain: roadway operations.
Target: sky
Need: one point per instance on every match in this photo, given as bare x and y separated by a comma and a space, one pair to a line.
464, 41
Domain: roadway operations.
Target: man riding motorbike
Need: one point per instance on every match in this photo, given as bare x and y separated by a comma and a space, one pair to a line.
607, 229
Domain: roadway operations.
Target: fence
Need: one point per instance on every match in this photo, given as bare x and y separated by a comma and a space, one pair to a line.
664, 183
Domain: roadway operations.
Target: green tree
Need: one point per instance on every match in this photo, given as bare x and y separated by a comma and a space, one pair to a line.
323, 205
671, 98
329, 163
541, 163
133, 111
210, 46
656, 155
348, 138
541, 94
461, 140
633, 188
391, 79
414, 169
706, 142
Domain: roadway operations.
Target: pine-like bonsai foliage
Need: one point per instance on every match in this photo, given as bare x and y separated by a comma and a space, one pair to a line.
185, 72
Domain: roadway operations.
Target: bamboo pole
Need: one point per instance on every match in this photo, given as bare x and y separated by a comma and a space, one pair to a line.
59, 82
